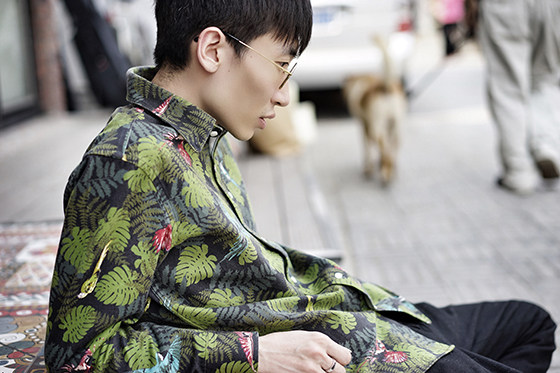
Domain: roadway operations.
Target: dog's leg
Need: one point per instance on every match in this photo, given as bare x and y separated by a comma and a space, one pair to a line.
386, 161
386, 124
369, 163
394, 130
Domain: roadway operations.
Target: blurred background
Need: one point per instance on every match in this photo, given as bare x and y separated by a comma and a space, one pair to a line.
68, 55
442, 232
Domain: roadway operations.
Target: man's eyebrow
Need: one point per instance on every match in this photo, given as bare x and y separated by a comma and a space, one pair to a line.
292, 50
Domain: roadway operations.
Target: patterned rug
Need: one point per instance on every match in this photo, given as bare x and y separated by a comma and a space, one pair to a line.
27, 253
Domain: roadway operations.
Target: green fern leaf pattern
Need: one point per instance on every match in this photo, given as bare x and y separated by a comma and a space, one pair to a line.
283, 304
311, 274
104, 354
196, 196
224, 298
75, 249
195, 159
115, 228
77, 322
205, 343
183, 231
118, 287
202, 318
149, 158
139, 181
233, 176
249, 254
329, 300
148, 261
343, 320
120, 118
103, 178
235, 367
144, 211
195, 265
275, 260
141, 352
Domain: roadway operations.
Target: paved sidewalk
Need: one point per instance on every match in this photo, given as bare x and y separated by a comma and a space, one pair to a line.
442, 233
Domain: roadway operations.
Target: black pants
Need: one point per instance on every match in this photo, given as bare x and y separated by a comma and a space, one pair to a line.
450, 37
490, 337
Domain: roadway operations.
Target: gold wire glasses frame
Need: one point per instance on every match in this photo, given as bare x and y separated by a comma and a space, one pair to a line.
291, 66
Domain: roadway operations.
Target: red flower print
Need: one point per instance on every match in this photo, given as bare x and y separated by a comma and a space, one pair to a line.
161, 109
246, 340
162, 239
83, 365
184, 153
178, 140
379, 353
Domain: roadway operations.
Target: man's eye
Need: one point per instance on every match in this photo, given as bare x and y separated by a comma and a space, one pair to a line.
284, 64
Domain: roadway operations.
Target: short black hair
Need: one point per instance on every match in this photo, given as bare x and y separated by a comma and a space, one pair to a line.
180, 21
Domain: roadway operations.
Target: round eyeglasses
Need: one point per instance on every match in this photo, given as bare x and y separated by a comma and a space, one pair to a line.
289, 70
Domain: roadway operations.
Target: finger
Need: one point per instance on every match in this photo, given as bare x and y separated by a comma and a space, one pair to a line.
332, 366
339, 368
341, 354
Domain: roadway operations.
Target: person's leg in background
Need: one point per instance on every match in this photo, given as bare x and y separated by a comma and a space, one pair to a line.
545, 89
505, 39
449, 31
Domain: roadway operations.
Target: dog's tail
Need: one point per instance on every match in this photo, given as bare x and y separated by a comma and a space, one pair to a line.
390, 75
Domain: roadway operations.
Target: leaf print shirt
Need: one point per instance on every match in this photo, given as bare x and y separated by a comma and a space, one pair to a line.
160, 268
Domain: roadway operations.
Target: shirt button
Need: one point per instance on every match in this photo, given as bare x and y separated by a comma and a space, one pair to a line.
214, 133
338, 275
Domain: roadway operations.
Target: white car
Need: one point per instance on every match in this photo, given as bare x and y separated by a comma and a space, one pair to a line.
342, 40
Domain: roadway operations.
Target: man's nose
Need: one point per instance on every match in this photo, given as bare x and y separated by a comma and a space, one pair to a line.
282, 96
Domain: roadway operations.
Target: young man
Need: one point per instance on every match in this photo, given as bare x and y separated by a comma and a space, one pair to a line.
160, 267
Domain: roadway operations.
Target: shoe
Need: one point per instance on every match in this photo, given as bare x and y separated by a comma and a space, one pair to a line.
522, 183
548, 168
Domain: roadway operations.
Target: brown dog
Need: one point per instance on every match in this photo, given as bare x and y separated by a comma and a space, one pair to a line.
379, 102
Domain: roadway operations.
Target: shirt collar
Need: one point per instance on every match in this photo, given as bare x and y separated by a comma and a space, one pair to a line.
194, 124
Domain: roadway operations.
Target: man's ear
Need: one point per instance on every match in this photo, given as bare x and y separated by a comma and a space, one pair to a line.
210, 48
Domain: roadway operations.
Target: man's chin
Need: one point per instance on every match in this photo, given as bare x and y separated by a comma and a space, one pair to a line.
244, 136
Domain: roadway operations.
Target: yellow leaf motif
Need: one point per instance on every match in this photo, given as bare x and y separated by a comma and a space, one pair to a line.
195, 265
205, 343
183, 231
345, 321
77, 322
249, 254
200, 318
139, 181
119, 287
73, 249
224, 298
196, 196
114, 227
235, 367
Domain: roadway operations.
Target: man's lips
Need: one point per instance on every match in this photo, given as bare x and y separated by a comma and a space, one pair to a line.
270, 116
262, 120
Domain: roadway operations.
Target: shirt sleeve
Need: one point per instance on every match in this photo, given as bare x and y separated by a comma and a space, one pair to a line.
117, 231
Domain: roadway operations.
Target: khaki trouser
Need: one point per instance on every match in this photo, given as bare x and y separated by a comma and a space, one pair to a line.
521, 44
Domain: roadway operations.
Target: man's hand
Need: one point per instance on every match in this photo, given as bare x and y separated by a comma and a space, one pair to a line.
301, 352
